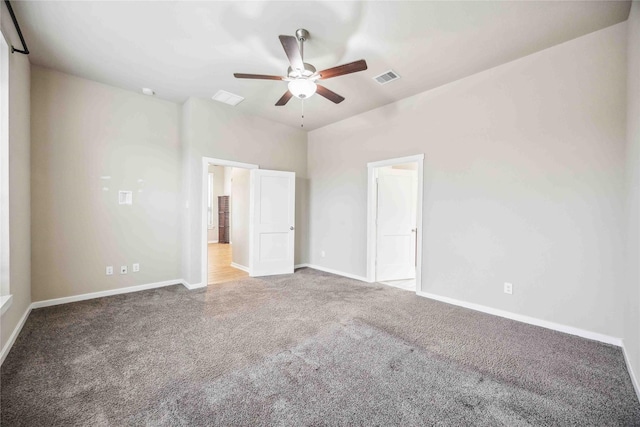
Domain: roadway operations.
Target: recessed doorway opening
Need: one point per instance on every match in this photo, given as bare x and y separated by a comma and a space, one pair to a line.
394, 245
227, 211
226, 188
249, 229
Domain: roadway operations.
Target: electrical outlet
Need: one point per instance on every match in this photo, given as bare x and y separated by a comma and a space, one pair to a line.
136, 268
109, 270
508, 288
322, 254
123, 269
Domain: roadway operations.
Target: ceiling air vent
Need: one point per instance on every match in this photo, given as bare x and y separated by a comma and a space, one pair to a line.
387, 77
227, 98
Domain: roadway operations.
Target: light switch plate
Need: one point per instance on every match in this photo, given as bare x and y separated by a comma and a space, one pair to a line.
125, 197
508, 288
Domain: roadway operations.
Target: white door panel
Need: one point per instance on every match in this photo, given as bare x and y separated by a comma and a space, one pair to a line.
396, 217
272, 222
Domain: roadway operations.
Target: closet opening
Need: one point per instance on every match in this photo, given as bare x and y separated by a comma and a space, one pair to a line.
394, 244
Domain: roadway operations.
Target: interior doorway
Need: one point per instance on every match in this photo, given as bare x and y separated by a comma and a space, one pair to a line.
395, 222
226, 220
261, 222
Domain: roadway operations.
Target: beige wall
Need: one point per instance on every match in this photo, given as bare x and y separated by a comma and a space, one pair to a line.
523, 183
215, 130
227, 180
240, 216
632, 283
82, 131
19, 184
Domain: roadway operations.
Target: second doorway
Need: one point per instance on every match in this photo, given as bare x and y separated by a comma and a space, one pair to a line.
227, 223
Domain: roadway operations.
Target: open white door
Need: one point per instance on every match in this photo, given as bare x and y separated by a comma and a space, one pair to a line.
396, 229
272, 211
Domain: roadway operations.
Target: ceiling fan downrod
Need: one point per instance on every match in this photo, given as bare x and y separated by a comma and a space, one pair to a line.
302, 35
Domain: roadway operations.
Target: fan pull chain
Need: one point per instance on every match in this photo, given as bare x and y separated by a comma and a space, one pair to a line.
302, 105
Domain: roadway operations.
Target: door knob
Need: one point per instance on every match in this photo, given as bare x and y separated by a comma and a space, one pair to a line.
413, 230
291, 228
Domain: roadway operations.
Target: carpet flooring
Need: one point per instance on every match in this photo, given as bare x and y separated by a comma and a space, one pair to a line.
304, 349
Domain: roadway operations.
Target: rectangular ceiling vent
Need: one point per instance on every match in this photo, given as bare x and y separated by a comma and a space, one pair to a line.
387, 77
227, 98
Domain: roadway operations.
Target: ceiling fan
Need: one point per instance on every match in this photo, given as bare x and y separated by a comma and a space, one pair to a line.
302, 77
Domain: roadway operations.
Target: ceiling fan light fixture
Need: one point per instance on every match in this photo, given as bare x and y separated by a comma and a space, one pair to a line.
302, 76
302, 88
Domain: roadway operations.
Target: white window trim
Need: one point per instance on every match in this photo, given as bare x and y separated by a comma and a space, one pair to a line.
5, 288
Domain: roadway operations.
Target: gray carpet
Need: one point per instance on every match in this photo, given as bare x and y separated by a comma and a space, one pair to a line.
306, 349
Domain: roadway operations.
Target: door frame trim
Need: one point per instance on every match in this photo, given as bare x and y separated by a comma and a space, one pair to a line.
206, 161
372, 200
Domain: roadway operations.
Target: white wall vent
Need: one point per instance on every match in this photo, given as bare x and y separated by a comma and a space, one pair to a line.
227, 98
387, 77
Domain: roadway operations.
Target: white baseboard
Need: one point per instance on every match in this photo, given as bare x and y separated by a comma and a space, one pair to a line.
92, 295
634, 379
83, 297
513, 316
526, 319
496, 312
297, 266
212, 241
14, 335
339, 273
240, 267
194, 285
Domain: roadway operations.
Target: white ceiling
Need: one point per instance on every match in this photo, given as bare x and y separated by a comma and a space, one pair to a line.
184, 49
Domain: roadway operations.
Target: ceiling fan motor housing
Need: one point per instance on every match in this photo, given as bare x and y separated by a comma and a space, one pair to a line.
308, 71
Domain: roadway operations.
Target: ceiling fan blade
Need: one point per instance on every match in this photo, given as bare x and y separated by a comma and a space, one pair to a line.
291, 48
256, 76
341, 70
285, 98
329, 94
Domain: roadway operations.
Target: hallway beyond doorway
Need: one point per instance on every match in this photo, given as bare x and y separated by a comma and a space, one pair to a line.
219, 260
